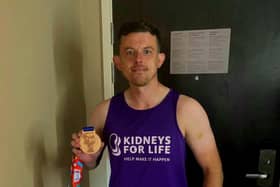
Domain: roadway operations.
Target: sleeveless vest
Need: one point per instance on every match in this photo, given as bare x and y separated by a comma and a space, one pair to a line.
146, 147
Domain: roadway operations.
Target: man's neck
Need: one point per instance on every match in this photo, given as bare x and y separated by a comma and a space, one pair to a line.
145, 97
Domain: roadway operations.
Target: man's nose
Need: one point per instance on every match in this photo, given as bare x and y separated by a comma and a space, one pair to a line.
138, 56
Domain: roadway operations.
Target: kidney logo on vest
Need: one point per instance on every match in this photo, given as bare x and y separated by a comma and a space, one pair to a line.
114, 143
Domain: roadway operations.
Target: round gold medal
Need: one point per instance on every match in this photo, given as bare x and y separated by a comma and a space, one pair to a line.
90, 142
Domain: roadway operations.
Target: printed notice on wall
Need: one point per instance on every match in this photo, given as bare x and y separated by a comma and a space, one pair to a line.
200, 51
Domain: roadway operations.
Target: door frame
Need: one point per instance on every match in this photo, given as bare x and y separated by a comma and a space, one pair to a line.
107, 48
107, 68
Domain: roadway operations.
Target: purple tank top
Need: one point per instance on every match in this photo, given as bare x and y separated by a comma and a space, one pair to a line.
146, 147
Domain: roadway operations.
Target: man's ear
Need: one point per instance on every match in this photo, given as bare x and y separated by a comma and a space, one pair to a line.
161, 59
117, 62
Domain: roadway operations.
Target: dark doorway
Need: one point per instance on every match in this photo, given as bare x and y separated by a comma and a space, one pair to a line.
243, 105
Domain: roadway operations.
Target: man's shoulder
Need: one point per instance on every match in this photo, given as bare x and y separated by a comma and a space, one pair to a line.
186, 99
103, 105
188, 103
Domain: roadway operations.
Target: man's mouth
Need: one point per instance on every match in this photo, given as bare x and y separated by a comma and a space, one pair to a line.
139, 69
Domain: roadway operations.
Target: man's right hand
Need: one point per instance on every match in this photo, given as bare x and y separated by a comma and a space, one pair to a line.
88, 159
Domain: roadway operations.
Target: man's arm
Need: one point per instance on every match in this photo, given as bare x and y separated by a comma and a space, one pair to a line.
194, 124
97, 119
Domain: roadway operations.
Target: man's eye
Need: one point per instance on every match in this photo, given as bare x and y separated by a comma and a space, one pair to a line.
129, 52
147, 51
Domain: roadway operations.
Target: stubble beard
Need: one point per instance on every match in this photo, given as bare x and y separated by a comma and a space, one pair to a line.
141, 80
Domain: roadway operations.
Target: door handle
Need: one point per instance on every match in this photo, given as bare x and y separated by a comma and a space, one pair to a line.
256, 175
265, 174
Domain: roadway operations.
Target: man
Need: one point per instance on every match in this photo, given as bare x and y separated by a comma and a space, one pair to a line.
146, 127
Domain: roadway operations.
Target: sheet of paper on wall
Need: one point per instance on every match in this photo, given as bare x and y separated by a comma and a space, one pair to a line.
200, 51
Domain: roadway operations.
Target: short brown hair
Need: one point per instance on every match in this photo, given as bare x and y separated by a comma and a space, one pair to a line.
139, 26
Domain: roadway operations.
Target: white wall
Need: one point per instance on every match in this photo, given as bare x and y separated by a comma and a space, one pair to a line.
41, 92
50, 79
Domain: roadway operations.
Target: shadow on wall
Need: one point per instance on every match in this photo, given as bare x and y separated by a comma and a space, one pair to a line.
71, 114
36, 153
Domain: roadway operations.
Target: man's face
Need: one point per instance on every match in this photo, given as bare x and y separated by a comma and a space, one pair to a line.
139, 58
